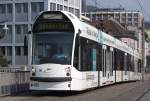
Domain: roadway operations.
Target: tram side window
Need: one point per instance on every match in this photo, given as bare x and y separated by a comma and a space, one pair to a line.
89, 55
139, 66
128, 62
84, 57
112, 63
119, 59
94, 59
104, 63
108, 59
115, 59
76, 54
132, 63
99, 58
125, 63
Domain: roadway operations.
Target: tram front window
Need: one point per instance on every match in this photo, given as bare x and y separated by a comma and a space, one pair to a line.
52, 48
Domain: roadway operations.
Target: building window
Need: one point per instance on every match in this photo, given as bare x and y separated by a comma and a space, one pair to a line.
18, 29
71, 10
136, 15
34, 7
129, 19
149, 51
118, 19
2, 8
124, 15
37, 6
18, 8
18, 51
25, 7
117, 16
10, 29
2, 49
25, 51
61, 7
25, 29
9, 51
149, 46
41, 6
77, 12
58, 7
136, 19
65, 8
130, 15
52, 6
9, 8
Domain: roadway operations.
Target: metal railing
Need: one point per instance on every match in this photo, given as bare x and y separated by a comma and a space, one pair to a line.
13, 80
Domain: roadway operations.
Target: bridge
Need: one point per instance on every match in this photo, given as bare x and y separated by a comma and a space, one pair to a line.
133, 91
14, 86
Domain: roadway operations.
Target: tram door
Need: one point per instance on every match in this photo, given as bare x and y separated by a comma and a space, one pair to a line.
104, 61
107, 63
125, 73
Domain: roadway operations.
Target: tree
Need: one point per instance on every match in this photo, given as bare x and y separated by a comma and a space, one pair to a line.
3, 62
2, 34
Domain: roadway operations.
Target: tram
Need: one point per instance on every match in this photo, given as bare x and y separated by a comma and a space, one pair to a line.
71, 55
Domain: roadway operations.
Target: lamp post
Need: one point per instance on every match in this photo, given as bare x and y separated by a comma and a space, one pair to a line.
5, 28
143, 50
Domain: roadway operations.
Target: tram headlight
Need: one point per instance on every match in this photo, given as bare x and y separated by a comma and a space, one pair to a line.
68, 71
33, 71
67, 74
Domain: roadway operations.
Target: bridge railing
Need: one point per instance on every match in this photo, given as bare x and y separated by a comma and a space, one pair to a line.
13, 80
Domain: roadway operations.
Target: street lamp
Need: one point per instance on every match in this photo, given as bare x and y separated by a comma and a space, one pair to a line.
5, 28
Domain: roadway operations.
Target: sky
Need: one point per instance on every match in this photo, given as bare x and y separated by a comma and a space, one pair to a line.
131, 5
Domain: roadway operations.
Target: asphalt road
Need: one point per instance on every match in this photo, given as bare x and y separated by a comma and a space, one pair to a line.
134, 91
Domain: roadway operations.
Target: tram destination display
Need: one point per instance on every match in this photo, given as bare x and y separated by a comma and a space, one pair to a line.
52, 26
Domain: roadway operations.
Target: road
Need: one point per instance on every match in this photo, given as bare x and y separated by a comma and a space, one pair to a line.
134, 91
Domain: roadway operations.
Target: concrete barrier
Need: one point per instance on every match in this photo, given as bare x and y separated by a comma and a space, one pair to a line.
13, 80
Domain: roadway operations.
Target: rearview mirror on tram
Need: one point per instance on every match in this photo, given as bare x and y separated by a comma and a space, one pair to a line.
26, 39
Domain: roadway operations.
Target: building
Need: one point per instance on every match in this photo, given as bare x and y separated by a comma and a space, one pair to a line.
130, 20
84, 5
147, 45
20, 15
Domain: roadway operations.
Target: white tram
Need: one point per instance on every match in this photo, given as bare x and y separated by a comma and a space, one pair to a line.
71, 55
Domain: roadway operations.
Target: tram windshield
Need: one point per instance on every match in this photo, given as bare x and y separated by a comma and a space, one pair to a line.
52, 47
52, 40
